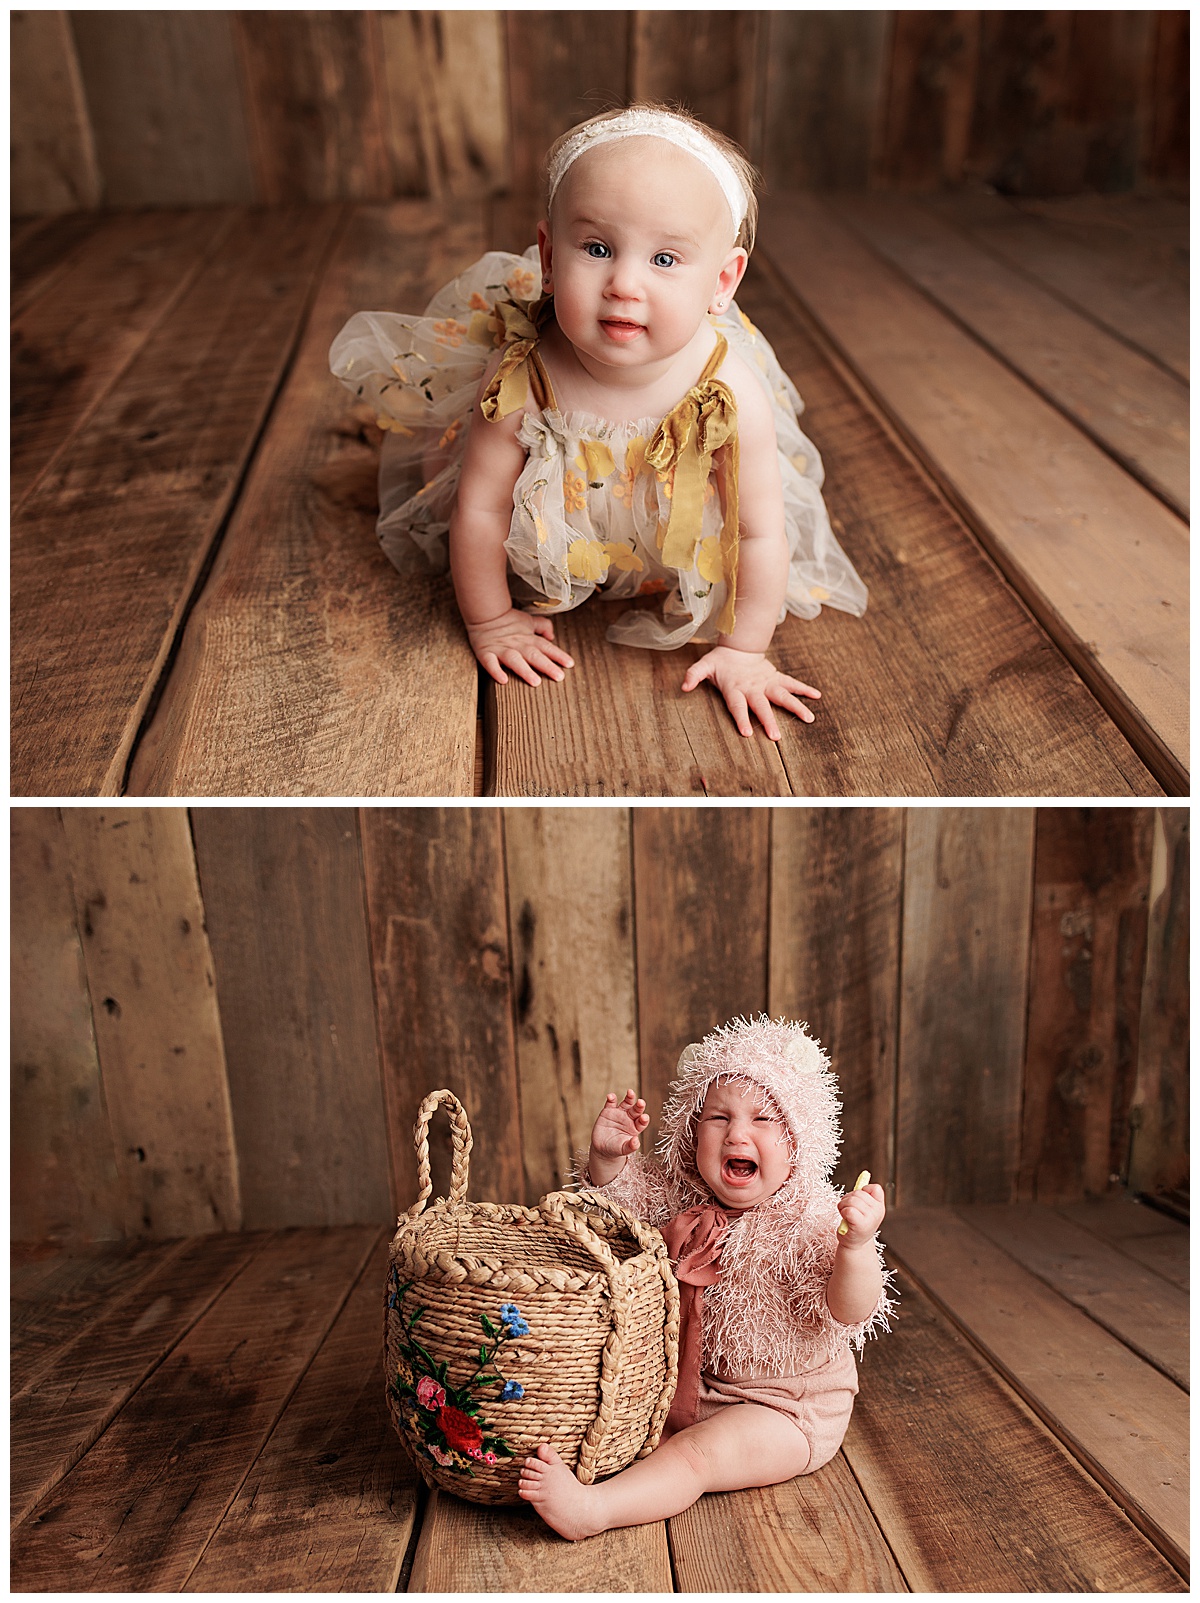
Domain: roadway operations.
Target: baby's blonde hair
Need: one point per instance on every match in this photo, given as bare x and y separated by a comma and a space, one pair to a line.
748, 175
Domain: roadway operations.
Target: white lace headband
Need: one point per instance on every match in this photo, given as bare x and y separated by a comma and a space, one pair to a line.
658, 125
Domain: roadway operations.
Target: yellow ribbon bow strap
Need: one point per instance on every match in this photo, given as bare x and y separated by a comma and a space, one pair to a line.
516, 328
687, 440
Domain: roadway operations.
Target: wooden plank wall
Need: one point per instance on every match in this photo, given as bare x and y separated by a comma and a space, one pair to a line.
173, 108
227, 1018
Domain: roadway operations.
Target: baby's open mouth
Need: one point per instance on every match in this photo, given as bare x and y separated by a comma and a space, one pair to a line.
739, 1168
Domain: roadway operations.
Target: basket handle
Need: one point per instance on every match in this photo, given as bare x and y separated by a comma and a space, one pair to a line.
561, 1207
460, 1135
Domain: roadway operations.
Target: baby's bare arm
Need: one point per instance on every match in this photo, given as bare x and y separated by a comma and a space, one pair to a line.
501, 636
615, 1134
738, 664
857, 1280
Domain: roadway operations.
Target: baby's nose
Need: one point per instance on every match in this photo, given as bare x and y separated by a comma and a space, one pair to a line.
624, 281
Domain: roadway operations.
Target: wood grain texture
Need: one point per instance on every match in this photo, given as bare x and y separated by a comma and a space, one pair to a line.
1052, 509
570, 909
1168, 149
971, 1491
1058, 106
825, 74
314, 105
834, 950
1131, 1302
42, 250
701, 878
443, 990
563, 66
56, 1420
965, 943
330, 1501
1116, 259
54, 165
136, 1512
56, 1295
166, 107
932, 81
1125, 1421
1120, 398
158, 1029
1087, 956
704, 60
815, 1533
1158, 1156
465, 1547
447, 110
284, 907
107, 549
945, 686
1141, 1233
65, 1181
562, 739
70, 347
309, 666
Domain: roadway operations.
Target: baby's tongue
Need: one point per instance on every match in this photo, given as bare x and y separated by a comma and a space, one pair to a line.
741, 1166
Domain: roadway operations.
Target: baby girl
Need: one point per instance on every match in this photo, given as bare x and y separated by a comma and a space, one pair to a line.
772, 1294
598, 413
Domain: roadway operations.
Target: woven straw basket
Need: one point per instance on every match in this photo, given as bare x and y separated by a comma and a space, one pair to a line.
509, 1326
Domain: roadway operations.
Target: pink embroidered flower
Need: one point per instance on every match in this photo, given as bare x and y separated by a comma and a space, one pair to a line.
440, 1457
429, 1393
490, 1458
474, 1452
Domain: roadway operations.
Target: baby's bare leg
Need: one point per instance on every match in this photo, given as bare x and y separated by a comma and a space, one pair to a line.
743, 1445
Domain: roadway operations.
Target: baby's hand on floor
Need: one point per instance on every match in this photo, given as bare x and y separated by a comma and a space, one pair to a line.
520, 642
862, 1212
750, 684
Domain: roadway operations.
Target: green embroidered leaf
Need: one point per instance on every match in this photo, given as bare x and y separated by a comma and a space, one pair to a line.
488, 1328
483, 1355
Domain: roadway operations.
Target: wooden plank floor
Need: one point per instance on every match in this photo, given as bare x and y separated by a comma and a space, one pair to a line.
199, 607
209, 1416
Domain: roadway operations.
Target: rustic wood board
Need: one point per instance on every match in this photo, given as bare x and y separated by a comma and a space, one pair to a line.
709, 61
973, 1493
65, 1183
60, 1415
136, 1513
564, 739
309, 666
1159, 1153
1125, 1421
443, 990
812, 1534
570, 909
330, 1502
293, 977
465, 1547
157, 1024
702, 877
928, 99
54, 166
1123, 400
166, 109
1132, 1303
53, 1298
313, 105
107, 549
43, 249
834, 951
1142, 1233
824, 70
945, 686
965, 944
70, 347
1110, 264
1053, 510
1091, 879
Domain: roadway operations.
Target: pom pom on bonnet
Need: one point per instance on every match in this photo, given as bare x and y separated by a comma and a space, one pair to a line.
783, 1060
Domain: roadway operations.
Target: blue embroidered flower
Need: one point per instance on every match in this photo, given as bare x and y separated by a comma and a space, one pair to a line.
510, 1318
513, 1392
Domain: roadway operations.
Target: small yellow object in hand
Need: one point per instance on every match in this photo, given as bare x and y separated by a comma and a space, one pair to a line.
863, 1179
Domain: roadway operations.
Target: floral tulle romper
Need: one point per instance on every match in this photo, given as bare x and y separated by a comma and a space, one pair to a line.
633, 509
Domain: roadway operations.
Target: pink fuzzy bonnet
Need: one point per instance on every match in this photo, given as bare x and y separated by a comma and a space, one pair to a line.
783, 1059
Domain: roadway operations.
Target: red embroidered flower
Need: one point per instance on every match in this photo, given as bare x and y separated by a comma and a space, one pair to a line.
429, 1393
460, 1429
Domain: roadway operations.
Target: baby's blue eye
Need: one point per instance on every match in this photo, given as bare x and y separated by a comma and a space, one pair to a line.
596, 249
663, 258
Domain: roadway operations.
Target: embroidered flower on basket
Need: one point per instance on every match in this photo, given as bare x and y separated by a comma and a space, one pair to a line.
429, 1393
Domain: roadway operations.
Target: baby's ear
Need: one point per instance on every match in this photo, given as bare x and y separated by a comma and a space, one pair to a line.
546, 252
732, 270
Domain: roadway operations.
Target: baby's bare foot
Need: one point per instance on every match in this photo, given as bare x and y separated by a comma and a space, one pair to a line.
565, 1505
